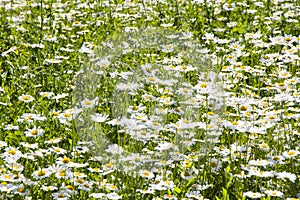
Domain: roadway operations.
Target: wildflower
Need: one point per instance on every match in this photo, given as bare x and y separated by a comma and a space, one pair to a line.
185, 91
61, 195
62, 172
286, 175
262, 174
6, 187
86, 103
3, 144
65, 116
10, 127
99, 117
276, 159
265, 147
215, 164
228, 7
86, 187
53, 61
49, 188
95, 169
284, 74
111, 187
170, 196
29, 145
16, 167
57, 150
113, 196
26, 98
253, 195
53, 141
64, 161
231, 24
46, 94
194, 194
60, 96
290, 153
13, 153
148, 98
259, 163
41, 173
34, 132
114, 149
21, 190
97, 195
146, 174
274, 193
69, 189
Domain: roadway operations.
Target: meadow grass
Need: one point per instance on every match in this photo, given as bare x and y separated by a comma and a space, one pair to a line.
87, 113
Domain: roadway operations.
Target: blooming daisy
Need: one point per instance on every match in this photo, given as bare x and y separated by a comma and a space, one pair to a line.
26, 98
253, 195
34, 132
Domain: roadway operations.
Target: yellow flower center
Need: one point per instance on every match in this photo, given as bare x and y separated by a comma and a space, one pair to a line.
66, 115
69, 187
145, 173
203, 85
34, 132
21, 190
41, 173
12, 152
243, 108
80, 181
65, 160
213, 164
26, 98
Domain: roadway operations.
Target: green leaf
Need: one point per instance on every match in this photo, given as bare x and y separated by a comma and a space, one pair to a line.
177, 190
191, 181
217, 198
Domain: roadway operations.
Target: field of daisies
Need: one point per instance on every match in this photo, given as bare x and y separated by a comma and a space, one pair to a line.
149, 99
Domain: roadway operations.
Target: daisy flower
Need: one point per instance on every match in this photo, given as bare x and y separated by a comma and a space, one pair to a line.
20, 190
274, 193
290, 153
146, 174
41, 173
86, 103
26, 98
99, 117
60, 195
34, 132
253, 195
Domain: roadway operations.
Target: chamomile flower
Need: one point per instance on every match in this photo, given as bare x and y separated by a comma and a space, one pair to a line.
61, 195
34, 132
99, 117
46, 94
64, 161
86, 103
26, 98
290, 153
214, 164
284, 74
274, 193
228, 6
253, 195
146, 174
48, 188
57, 150
286, 175
41, 173
21, 190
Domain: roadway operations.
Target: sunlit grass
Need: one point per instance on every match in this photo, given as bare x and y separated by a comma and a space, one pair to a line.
143, 100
